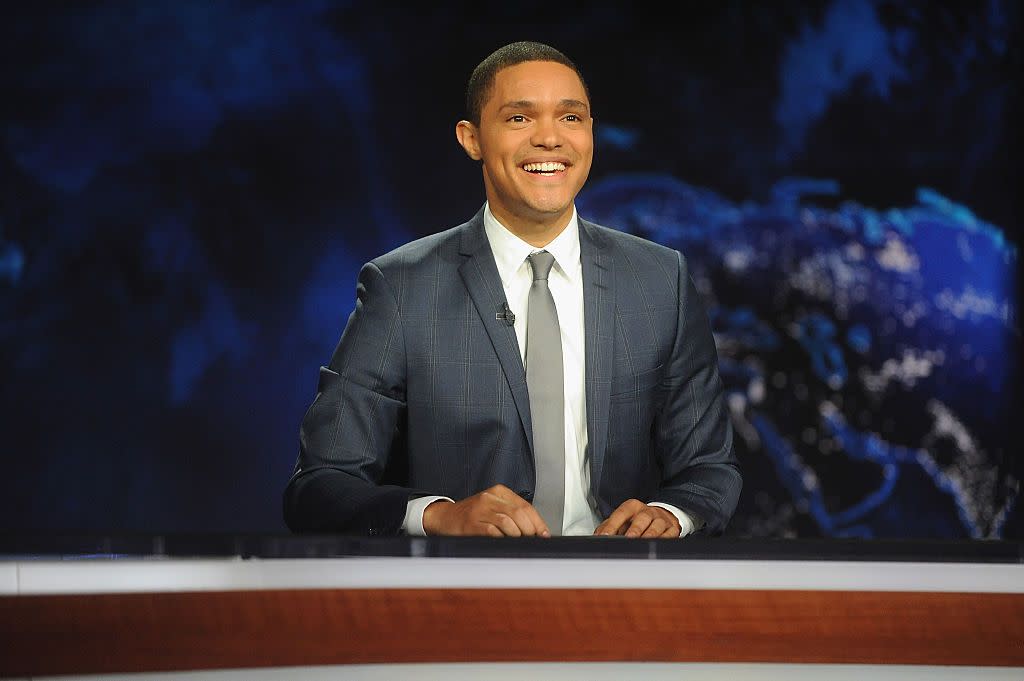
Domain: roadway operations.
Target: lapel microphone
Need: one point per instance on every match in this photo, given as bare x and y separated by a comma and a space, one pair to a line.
505, 315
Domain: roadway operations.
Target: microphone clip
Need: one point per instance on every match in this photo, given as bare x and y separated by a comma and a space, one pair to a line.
505, 315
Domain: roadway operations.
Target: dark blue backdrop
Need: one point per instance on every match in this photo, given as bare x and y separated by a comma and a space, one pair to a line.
187, 190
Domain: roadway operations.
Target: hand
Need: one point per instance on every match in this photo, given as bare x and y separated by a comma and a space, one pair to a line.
495, 512
634, 518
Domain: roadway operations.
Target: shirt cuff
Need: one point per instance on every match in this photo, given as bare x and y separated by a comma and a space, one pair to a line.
413, 523
687, 523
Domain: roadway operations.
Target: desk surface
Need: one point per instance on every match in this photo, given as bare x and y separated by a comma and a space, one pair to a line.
181, 575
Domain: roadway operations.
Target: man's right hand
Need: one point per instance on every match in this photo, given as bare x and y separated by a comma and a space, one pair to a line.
495, 512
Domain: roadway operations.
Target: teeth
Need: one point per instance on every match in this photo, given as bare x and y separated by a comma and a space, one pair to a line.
546, 167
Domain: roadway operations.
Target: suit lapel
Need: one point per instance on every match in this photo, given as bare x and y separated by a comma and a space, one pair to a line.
480, 275
599, 320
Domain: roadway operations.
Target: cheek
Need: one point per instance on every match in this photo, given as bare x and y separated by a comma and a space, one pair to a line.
496, 154
586, 159
585, 146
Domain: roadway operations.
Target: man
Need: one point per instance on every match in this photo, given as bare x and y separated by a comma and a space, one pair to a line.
527, 373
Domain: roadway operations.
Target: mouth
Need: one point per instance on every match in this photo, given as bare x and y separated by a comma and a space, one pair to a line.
545, 168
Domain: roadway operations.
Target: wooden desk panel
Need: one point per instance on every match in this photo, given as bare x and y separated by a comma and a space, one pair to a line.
133, 632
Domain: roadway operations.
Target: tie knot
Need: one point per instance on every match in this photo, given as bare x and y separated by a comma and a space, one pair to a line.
541, 263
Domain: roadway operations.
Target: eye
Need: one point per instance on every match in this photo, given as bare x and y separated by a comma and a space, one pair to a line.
573, 118
517, 118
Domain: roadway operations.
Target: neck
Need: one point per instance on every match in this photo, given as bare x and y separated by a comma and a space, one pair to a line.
537, 233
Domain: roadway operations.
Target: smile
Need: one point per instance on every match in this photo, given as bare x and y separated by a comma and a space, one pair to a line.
546, 168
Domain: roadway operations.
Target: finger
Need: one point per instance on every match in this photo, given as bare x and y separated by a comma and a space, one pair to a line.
507, 525
538, 521
641, 521
670, 533
501, 499
621, 529
610, 526
655, 529
618, 519
529, 521
628, 511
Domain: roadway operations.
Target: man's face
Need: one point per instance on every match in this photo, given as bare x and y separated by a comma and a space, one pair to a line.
536, 141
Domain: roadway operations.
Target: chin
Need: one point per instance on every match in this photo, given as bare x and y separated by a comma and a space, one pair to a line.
551, 207
549, 213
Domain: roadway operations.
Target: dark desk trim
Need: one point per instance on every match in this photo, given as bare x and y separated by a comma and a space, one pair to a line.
215, 545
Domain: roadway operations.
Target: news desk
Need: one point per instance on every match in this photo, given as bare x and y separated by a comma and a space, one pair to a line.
288, 606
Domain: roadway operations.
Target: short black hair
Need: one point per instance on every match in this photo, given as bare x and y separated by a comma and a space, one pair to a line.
481, 81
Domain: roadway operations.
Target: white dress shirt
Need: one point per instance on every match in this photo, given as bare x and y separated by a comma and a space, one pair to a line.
566, 283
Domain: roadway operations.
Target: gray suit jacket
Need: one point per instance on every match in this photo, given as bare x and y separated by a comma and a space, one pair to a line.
426, 391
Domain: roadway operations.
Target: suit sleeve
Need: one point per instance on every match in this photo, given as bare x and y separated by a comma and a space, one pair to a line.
693, 433
349, 431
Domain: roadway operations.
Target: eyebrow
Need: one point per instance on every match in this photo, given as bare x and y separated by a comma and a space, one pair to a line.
527, 104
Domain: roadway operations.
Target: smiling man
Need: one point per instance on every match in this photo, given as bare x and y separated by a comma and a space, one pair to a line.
535, 136
527, 373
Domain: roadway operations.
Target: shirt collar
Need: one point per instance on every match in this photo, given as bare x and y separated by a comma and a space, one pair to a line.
510, 251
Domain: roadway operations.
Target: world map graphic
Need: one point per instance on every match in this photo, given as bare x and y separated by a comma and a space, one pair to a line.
864, 352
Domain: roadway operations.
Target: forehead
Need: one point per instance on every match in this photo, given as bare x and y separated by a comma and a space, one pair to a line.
536, 81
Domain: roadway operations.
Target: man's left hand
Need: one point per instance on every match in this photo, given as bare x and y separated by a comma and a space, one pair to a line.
633, 518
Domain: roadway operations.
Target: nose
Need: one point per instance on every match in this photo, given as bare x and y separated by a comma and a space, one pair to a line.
546, 134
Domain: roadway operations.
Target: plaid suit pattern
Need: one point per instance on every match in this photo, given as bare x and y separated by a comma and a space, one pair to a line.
426, 391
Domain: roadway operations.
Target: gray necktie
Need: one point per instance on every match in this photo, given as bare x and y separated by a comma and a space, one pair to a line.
547, 400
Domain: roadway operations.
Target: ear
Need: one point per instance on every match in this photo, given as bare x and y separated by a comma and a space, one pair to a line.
466, 133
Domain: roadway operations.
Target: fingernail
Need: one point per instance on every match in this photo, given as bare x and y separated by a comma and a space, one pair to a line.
545, 533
